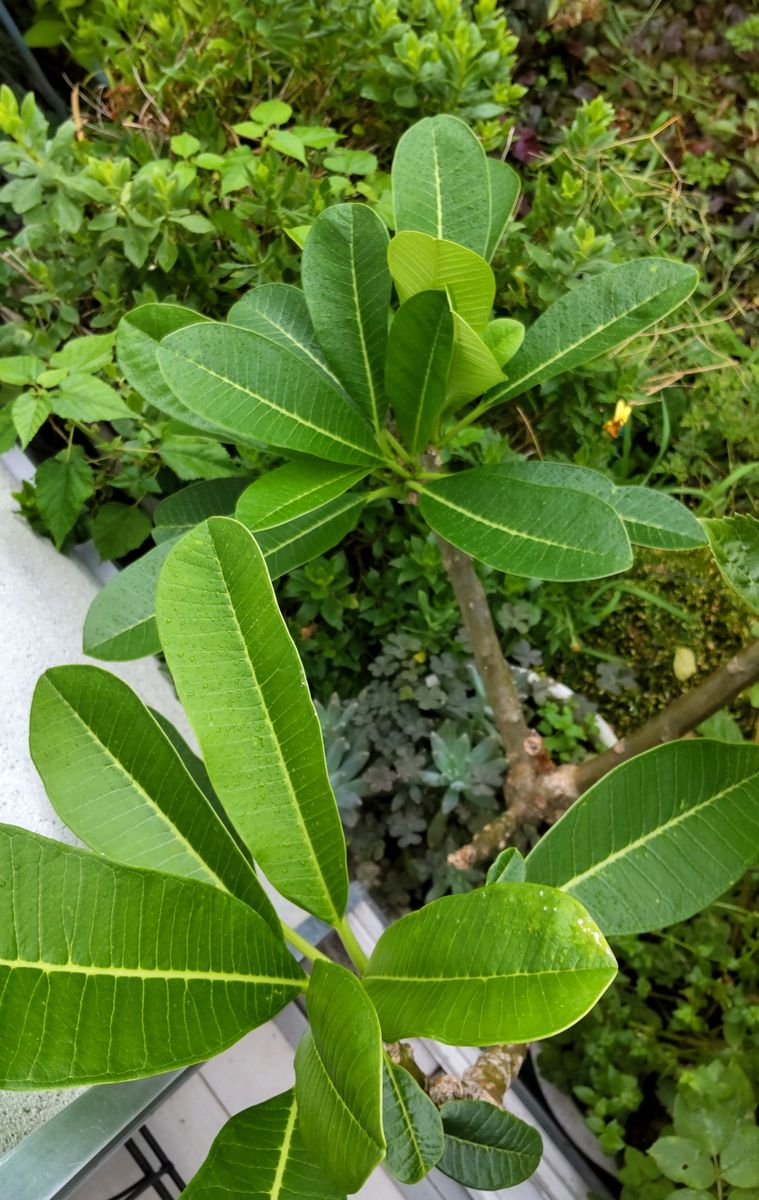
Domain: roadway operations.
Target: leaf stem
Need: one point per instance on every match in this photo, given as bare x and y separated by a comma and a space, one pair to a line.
300, 943
348, 938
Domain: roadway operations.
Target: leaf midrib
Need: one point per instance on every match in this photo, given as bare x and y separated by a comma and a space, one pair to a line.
350, 502
74, 968
482, 1148
371, 976
407, 1117
318, 362
360, 326
351, 1115
426, 381
284, 1153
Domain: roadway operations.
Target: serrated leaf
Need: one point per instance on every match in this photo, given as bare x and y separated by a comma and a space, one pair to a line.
86, 398
241, 681
85, 354
420, 263
594, 318
734, 543
412, 1125
509, 867
189, 506
346, 283
120, 622
506, 963
487, 1148
20, 369
62, 485
659, 837
441, 183
657, 520
290, 491
295, 542
29, 411
279, 312
526, 527
116, 780
338, 1078
118, 528
504, 193
145, 972
259, 1154
419, 354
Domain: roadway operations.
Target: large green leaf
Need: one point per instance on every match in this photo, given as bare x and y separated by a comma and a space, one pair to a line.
504, 193
338, 1078
111, 972
292, 490
563, 475
279, 311
116, 780
527, 527
735, 545
186, 508
242, 684
295, 542
259, 1155
120, 622
659, 837
420, 263
413, 1129
419, 352
657, 520
507, 963
256, 388
346, 283
487, 1148
594, 318
442, 183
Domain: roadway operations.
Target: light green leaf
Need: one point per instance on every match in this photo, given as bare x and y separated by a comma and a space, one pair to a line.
86, 398
473, 369
284, 141
412, 1124
659, 837
739, 1160
190, 505
20, 369
292, 490
318, 137
487, 1148
503, 337
85, 354
278, 311
116, 780
120, 622
184, 144
504, 193
247, 129
526, 527
735, 545
272, 112
506, 963
260, 1155
338, 1078
118, 528
351, 162
257, 389
419, 353
657, 520
682, 1161
442, 183
241, 681
295, 542
346, 283
197, 457
62, 485
420, 263
30, 410
509, 867
710, 1102
195, 223
145, 972
595, 318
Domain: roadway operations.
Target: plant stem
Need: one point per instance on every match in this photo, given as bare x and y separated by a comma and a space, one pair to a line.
348, 938
300, 943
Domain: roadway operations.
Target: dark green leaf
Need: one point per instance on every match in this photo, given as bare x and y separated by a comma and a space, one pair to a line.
487, 1148
188, 507
657, 520
419, 352
120, 622
118, 528
295, 542
735, 546
62, 485
292, 490
413, 1129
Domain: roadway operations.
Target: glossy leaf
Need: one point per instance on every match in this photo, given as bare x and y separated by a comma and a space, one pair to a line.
145, 972
259, 1155
279, 311
487, 1148
526, 527
506, 963
338, 1078
509, 867
295, 542
420, 263
442, 183
473, 368
504, 193
413, 1129
120, 622
659, 837
419, 352
292, 490
346, 283
657, 520
735, 545
242, 685
594, 318
185, 509
116, 780
257, 388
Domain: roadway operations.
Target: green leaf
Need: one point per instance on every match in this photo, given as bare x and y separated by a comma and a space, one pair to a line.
487, 1148
657, 520
506, 963
184, 145
295, 542
419, 353
659, 837
594, 318
85, 354
120, 622
318, 137
116, 780
292, 490
351, 162
284, 141
473, 369
197, 457
412, 1124
145, 972
20, 369
136, 245
682, 1161
190, 505
734, 543
563, 475
257, 389
272, 112
509, 867
86, 398
526, 527
504, 193
253, 130
62, 485
45, 33
442, 183
346, 283
739, 1160
279, 312
241, 681
195, 223
30, 410
338, 1078
710, 1102
258, 1154
420, 263
118, 528
503, 337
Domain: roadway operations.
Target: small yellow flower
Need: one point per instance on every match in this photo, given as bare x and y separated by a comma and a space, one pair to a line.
420, 656
622, 414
